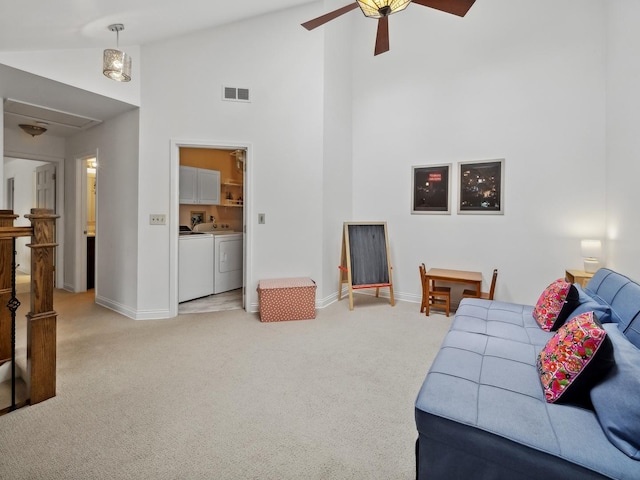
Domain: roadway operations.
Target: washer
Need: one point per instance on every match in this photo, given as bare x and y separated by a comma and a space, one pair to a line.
195, 252
228, 256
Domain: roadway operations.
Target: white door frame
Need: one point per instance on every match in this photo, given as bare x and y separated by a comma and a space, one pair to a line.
174, 212
80, 264
60, 221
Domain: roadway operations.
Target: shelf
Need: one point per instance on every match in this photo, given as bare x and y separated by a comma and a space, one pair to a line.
232, 184
233, 205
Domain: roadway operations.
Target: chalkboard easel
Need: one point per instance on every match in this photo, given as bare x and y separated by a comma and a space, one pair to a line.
365, 261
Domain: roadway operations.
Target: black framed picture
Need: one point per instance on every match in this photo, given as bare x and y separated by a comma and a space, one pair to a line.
431, 189
481, 187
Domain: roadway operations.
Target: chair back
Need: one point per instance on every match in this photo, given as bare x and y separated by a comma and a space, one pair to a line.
493, 283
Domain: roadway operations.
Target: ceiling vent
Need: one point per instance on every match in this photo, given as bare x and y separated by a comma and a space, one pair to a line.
235, 94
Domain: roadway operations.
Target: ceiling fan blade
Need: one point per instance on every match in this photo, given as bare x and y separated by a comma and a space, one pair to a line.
456, 7
382, 38
321, 20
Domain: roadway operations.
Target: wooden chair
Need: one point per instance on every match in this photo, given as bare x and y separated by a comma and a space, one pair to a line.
432, 295
485, 295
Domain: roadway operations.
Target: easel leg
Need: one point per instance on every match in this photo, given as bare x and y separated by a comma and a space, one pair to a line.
350, 298
393, 302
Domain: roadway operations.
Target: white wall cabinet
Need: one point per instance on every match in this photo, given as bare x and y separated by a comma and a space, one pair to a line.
199, 186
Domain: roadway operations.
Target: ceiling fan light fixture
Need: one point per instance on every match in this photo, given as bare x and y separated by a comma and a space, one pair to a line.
116, 64
33, 130
382, 8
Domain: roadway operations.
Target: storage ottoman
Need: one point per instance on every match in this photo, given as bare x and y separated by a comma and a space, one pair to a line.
287, 299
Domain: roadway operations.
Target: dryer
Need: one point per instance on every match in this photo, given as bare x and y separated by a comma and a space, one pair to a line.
228, 260
228, 256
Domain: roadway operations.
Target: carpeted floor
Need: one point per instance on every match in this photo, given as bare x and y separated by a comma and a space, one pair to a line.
223, 396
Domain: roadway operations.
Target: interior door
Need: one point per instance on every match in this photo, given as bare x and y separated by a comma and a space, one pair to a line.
46, 186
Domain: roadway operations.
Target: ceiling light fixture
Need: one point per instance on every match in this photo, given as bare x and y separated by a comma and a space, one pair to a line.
33, 130
382, 8
116, 64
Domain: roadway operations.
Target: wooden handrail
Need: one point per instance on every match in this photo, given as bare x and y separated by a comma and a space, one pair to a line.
15, 232
41, 319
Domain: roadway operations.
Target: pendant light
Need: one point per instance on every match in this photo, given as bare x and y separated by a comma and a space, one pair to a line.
116, 64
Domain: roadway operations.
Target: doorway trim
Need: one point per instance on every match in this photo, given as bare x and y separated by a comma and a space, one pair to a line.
80, 253
174, 212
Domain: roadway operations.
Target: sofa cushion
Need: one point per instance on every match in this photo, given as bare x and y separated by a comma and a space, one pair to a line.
621, 293
555, 305
615, 399
500, 319
574, 360
590, 304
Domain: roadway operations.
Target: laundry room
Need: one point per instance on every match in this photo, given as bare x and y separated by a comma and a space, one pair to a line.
211, 243
228, 209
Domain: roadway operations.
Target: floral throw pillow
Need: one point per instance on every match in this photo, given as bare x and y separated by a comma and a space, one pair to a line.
574, 360
555, 305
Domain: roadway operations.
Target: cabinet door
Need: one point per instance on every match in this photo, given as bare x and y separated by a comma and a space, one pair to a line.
188, 185
209, 187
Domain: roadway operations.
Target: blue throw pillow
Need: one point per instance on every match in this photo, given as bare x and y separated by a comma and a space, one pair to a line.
588, 304
615, 398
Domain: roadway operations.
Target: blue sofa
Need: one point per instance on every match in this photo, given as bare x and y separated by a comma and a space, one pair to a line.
481, 412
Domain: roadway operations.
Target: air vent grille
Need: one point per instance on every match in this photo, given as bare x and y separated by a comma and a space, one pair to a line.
236, 94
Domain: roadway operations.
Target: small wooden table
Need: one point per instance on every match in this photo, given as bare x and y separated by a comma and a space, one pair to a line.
455, 276
578, 276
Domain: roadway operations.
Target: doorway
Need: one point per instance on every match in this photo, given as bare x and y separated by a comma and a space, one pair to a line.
86, 226
239, 192
31, 183
212, 201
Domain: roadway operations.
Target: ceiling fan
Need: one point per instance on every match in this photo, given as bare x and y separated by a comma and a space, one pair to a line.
381, 9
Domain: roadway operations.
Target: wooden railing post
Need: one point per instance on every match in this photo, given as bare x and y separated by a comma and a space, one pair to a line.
42, 319
6, 257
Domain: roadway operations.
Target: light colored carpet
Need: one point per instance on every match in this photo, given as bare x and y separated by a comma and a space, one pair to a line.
223, 396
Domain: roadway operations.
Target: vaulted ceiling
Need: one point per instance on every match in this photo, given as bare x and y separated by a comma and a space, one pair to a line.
40, 25
68, 24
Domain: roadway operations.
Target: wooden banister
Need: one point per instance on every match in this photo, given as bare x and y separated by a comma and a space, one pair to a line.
42, 319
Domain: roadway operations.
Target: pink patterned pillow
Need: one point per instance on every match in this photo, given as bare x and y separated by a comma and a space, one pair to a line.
555, 305
574, 360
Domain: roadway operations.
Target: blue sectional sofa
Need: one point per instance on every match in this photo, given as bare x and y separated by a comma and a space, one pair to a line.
481, 412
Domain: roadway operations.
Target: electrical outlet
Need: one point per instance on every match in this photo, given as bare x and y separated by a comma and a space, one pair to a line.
261, 218
157, 219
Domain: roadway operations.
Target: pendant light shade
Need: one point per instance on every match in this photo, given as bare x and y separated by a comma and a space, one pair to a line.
116, 64
382, 8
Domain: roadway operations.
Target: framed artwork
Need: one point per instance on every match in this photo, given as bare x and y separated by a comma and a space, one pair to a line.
481, 187
196, 218
430, 190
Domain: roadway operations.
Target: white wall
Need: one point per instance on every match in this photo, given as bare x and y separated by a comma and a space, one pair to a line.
512, 81
116, 144
80, 68
181, 96
337, 171
623, 143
